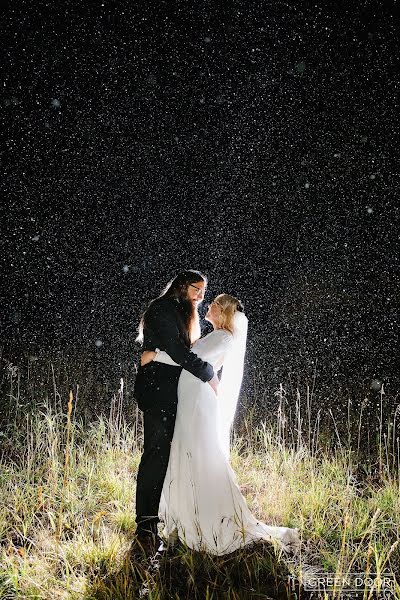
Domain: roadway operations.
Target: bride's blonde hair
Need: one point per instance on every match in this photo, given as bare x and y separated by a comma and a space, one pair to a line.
229, 305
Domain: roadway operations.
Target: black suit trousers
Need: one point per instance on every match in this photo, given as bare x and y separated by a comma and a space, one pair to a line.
156, 393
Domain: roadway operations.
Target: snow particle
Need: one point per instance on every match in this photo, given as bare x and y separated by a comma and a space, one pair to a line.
376, 385
300, 67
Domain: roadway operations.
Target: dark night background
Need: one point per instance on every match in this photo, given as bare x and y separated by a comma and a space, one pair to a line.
254, 141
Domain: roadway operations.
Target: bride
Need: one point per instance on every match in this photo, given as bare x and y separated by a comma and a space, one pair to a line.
201, 502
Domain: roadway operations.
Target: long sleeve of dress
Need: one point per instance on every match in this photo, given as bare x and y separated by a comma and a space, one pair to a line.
212, 348
164, 357
162, 319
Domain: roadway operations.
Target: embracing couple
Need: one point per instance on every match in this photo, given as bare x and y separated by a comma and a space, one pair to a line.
185, 477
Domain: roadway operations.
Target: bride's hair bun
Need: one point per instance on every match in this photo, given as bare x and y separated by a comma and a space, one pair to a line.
240, 306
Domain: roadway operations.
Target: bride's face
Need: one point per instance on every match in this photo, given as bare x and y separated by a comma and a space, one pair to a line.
213, 314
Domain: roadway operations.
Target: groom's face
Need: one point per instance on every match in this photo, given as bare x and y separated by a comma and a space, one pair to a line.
196, 291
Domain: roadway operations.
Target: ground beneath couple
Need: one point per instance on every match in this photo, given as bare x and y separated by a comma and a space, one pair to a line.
68, 520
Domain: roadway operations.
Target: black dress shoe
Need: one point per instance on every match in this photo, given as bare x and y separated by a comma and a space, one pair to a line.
145, 546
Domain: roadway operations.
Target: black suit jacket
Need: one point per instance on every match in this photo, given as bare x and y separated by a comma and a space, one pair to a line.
164, 329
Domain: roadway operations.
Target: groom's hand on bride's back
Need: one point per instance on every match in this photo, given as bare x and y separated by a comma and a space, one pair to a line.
214, 384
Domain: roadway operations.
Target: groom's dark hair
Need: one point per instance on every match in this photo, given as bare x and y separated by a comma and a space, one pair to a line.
176, 288
178, 285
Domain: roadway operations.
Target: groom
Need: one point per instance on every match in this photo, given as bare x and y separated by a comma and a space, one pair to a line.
166, 324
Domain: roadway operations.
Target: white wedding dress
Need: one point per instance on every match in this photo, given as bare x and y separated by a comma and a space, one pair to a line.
201, 501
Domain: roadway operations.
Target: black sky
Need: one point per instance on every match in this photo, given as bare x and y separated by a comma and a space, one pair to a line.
254, 141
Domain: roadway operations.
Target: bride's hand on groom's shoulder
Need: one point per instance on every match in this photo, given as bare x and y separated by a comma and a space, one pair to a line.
214, 384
